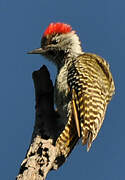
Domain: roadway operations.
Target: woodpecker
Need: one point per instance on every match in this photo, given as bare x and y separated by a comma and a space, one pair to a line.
84, 86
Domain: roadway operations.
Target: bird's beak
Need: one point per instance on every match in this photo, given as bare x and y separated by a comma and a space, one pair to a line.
36, 51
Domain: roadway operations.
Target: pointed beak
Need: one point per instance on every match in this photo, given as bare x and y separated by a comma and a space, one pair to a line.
36, 51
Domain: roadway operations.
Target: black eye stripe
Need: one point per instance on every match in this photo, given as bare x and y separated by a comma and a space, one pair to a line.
52, 53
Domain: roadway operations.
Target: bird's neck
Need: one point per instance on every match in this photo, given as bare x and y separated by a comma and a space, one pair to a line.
72, 50
75, 48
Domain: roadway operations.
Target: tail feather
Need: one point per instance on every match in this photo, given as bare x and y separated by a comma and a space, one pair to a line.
68, 138
89, 142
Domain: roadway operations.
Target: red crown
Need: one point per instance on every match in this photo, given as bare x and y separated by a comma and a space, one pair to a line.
60, 28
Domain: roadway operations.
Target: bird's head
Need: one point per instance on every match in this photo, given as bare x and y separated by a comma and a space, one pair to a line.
58, 42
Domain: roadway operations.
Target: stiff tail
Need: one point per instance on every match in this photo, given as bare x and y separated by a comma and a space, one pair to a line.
68, 138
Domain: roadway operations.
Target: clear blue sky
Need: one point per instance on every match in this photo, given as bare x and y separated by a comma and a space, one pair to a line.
101, 27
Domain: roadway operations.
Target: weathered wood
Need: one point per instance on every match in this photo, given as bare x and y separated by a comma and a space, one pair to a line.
42, 155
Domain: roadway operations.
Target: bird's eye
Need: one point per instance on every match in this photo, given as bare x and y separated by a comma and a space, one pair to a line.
54, 41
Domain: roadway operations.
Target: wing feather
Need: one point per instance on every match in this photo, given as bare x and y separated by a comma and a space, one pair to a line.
92, 87
75, 112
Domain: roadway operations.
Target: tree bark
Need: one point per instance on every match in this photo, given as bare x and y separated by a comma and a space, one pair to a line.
42, 155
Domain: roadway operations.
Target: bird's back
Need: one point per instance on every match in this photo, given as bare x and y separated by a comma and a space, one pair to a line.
92, 82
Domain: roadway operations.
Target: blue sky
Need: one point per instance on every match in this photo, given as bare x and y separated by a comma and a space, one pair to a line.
101, 27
